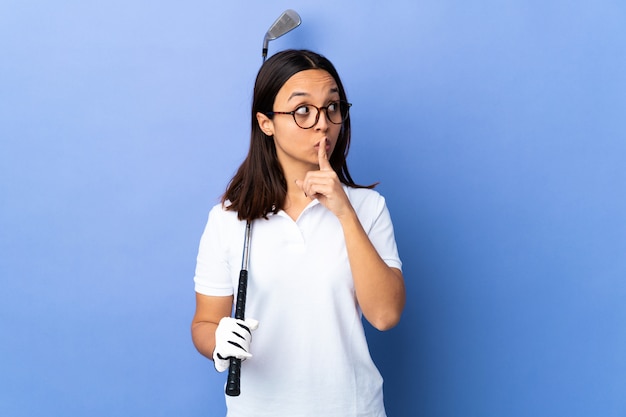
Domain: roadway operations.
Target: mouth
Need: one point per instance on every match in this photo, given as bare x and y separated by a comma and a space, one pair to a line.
317, 145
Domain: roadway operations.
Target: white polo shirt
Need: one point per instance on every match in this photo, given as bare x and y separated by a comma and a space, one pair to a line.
310, 355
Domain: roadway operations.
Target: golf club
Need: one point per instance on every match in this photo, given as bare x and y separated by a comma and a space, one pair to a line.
287, 21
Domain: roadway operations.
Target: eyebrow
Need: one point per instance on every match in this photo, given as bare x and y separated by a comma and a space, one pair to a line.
303, 94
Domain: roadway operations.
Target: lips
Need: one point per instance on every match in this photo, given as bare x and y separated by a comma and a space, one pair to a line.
317, 145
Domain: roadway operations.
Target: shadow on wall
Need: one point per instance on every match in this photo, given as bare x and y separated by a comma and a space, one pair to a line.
397, 352
403, 354
400, 353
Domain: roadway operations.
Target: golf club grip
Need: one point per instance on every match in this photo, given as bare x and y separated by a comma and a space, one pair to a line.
234, 371
233, 384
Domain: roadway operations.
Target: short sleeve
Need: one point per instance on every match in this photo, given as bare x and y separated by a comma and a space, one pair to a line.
213, 271
383, 237
376, 220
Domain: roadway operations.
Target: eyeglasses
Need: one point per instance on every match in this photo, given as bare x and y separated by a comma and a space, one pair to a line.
307, 116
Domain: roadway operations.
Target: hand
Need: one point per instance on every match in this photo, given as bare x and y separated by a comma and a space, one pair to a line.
324, 185
232, 340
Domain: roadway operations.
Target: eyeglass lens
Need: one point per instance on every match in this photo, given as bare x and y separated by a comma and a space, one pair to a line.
307, 116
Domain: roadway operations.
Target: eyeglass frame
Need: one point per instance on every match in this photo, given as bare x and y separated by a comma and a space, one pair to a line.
317, 117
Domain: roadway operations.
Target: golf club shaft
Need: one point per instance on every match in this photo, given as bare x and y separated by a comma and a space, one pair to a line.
233, 382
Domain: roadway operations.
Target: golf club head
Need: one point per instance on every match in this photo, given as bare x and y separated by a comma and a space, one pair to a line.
286, 22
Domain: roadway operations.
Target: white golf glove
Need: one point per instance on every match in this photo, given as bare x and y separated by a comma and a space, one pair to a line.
232, 340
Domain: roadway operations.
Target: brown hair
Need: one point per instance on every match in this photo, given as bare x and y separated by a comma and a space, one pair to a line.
259, 186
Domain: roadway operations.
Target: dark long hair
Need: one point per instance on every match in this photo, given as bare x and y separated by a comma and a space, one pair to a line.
259, 186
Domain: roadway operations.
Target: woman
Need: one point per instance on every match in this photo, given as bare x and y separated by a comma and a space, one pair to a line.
322, 252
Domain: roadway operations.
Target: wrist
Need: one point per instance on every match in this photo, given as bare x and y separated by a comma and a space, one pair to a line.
349, 219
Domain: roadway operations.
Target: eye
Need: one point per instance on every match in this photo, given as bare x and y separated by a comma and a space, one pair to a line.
303, 110
333, 107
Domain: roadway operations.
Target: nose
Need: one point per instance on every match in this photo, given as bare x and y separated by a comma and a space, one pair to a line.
322, 122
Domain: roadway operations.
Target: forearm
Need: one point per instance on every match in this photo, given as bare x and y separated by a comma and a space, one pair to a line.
379, 288
209, 312
203, 336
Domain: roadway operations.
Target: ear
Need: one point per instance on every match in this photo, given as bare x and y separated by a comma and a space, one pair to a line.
265, 123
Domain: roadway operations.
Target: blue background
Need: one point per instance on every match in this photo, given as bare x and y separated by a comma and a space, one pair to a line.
496, 130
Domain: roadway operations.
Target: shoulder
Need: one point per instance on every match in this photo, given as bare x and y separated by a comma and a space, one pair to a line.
223, 219
221, 210
223, 230
364, 198
372, 211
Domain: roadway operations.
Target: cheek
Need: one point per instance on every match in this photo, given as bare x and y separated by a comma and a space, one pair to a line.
288, 131
335, 130
333, 134
288, 136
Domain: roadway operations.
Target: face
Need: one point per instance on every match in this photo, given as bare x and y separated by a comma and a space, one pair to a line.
296, 147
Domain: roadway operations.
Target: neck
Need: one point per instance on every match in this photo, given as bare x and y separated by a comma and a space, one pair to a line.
294, 173
295, 200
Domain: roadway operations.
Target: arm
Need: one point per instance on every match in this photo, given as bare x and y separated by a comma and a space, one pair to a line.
209, 311
379, 288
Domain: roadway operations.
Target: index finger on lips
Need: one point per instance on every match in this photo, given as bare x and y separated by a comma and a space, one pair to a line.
322, 156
